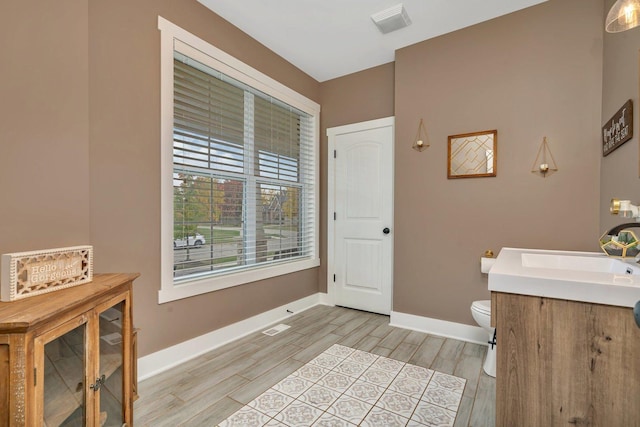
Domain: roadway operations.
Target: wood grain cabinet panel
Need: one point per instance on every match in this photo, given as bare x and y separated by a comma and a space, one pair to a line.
5, 392
66, 357
565, 363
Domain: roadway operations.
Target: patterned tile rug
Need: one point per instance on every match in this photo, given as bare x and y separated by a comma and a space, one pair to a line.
347, 387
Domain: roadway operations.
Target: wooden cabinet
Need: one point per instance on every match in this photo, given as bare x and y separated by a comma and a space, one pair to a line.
565, 363
66, 357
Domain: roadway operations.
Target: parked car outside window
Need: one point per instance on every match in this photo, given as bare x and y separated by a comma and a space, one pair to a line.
197, 240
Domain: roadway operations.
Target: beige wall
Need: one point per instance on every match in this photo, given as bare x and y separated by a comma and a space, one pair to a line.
358, 97
124, 87
80, 147
619, 170
81, 107
44, 154
530, 74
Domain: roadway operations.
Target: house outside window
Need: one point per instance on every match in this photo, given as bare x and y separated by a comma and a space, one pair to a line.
239, 171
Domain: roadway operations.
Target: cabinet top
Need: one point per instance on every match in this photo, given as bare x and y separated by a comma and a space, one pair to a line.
21, 315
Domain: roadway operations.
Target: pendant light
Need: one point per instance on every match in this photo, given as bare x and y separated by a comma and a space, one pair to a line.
624, 15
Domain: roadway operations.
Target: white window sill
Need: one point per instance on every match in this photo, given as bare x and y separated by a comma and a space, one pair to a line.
171, 292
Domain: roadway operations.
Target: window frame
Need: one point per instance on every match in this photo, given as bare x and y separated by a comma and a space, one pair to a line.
173, 38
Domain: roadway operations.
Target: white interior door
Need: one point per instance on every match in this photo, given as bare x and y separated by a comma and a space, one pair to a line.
361, 224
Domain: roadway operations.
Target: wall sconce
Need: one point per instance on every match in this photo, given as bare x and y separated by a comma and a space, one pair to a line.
623, 15
544, 164
421, 141
624, 208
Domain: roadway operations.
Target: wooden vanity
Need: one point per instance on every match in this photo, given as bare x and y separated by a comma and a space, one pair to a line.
565, 363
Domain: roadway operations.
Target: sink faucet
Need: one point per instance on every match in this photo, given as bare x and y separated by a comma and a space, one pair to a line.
618, 228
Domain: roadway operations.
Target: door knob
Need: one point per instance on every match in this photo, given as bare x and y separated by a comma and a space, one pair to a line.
636, 313
386, 230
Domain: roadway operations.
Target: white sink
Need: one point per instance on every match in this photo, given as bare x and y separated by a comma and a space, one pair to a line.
596, 262
578, 276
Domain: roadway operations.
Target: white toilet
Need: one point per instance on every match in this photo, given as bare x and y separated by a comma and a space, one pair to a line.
481, 312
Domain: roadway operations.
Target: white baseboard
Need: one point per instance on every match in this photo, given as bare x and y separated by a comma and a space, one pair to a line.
325, 299
459, 331
167, 358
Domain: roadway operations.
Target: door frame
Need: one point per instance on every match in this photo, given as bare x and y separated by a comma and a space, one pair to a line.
331, 199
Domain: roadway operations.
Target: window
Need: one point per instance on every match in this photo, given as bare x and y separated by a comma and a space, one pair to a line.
239, 171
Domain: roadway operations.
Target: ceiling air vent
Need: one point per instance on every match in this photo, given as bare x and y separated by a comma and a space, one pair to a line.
391, 19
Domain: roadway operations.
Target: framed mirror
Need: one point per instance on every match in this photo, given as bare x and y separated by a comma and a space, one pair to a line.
472, 155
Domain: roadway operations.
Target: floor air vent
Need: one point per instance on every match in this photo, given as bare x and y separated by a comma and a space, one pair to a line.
276, 329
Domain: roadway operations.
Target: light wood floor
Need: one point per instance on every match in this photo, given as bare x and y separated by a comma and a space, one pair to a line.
206, 390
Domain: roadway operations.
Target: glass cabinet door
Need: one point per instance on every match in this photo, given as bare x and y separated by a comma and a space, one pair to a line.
111, 366
63, 379
81, 374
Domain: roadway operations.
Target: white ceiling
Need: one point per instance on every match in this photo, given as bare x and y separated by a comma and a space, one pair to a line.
332, 38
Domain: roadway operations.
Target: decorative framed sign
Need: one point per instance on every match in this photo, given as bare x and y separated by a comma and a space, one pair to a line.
618, 130
26, 274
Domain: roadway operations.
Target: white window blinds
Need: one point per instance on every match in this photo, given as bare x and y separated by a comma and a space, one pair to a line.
244, 187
